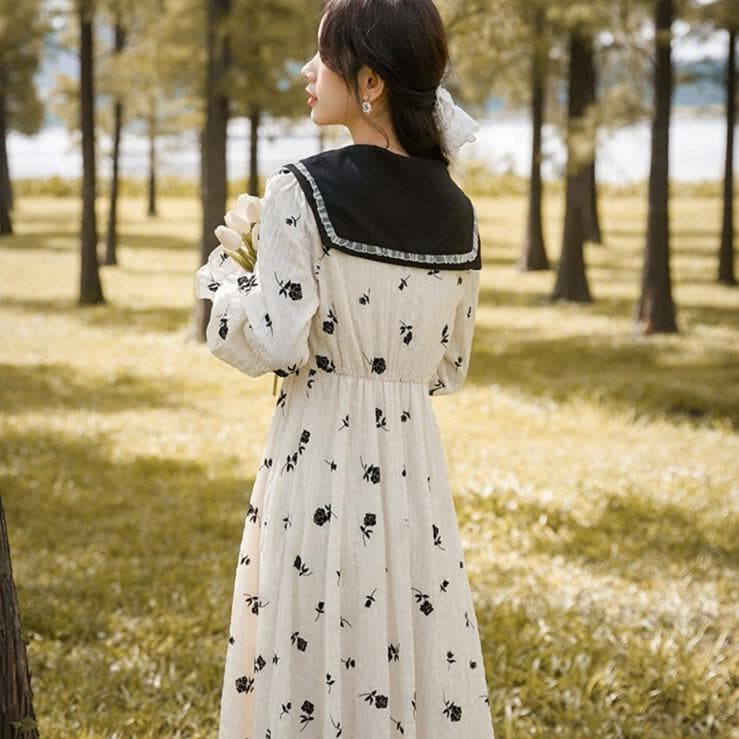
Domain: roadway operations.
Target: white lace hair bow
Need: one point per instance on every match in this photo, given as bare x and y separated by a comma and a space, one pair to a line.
457, 127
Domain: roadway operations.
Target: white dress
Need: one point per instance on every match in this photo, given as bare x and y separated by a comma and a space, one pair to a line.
352, 614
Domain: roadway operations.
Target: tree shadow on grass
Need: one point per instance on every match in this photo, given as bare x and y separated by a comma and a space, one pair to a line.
157, 318
631, 375
633, 537
126, 239
62, 387
103, 536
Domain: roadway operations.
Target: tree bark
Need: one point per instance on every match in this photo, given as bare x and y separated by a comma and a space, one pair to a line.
152, 188
571, 282
17, 717
534, 254
726, 272
213, 146
255, 116
112, 239
6, 224
91, 290
592, 220
655, 309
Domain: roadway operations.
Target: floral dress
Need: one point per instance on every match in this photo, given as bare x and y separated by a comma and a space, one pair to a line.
352, 614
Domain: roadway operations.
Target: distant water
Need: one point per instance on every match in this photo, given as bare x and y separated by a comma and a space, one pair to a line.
696, 150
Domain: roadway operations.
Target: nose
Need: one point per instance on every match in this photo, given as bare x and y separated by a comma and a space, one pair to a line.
307, 70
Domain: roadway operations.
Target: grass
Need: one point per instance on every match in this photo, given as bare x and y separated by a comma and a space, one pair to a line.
594, 476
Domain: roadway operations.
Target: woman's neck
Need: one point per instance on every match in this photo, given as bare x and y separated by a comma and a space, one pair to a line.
363, 133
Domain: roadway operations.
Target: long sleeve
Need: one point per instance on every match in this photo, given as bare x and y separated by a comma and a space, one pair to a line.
452, 370
260, 320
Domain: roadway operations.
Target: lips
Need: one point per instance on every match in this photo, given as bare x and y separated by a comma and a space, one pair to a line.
311, 97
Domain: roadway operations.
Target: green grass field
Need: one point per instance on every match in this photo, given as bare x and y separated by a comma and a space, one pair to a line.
595, 475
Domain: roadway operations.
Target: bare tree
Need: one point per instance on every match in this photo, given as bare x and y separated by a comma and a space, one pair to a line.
655, 310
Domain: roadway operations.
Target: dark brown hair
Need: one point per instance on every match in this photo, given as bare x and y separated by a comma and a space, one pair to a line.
405, 43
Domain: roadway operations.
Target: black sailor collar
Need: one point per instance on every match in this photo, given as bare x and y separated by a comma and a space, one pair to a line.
374, 203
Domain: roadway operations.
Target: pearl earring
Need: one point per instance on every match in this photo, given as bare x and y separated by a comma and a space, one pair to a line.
366, 106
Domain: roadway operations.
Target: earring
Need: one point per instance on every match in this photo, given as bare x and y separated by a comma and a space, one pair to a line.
366, 106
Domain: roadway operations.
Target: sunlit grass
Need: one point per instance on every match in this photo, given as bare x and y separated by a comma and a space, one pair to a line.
594, 474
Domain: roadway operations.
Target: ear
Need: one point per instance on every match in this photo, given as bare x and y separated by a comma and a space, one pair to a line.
371, 85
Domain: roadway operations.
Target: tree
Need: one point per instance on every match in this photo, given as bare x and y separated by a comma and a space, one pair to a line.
726, 250
655, 310
571, 282
91, 290
213, 140
111, 241
271, 40
22, 27
17, 717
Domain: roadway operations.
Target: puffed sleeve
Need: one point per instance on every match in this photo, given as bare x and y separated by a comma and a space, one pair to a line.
452, 370
260, 320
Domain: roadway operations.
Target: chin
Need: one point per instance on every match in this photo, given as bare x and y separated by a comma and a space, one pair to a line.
321, 119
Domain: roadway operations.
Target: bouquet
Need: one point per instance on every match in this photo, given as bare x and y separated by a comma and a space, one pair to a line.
241, 232
240, 235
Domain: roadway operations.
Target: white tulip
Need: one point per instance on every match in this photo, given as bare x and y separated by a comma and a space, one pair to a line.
228, 237
249, 207
236, 222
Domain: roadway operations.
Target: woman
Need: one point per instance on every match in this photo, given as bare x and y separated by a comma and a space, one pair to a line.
352, 614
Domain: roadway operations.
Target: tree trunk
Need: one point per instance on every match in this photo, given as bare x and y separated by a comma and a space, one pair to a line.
534, 254
655, 309
152, 209
726, 252
254, 119
17, 717
571, 283
592, 220
91, 290
112, 240
213, 146
6, 224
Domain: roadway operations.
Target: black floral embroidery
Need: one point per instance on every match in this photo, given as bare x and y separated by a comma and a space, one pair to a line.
369, 599
406, 332
268, 323
329, 325
380, 419
254, 603
223, 327
311, 380
281, 399
450, 660
437, 536
393, 652
345, 422
293, 220
365, 297
298, 641
437, 386
332, 464
307, 713
259, 663
377, 365
366, 527
322, 515
445, 334
246, 283
405, 416
398, 726
329, 681
244, 684
423, 599
285, 708
290, 289
452, 711
404, 282
324, 363
374, 698
349, 662
301, 567
319, 610
443, 585
371, 472
458, 362
434, 273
